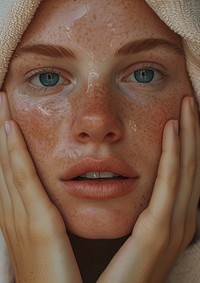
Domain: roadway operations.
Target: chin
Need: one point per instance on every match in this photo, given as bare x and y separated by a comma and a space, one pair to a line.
96, 235
101, 220
104, 229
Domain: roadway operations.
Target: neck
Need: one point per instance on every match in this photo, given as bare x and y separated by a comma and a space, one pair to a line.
93, 256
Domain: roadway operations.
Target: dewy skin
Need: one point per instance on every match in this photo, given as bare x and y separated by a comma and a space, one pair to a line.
114, 83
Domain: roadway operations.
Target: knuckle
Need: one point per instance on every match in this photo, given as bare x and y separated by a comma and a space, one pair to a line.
191, 168
12, 148
173, 180
19, 177
170, 182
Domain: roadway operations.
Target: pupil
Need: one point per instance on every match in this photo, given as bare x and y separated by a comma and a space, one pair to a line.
49, 79
144, 76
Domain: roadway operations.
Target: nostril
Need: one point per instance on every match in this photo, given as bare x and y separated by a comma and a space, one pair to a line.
111, 135
97, 129
83, 135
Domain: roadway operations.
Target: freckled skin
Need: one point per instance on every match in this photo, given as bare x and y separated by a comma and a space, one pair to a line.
52, 124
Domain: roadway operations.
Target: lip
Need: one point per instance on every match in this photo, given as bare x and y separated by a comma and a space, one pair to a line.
100, 190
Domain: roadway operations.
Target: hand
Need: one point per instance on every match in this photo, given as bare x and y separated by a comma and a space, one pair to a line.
167, 225
32, 226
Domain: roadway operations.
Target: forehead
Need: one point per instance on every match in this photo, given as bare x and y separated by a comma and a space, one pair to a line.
95, 24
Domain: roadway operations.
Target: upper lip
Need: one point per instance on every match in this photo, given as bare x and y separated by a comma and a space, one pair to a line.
110, 164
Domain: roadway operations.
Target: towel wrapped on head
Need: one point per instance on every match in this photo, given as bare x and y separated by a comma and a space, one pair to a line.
181, 16
15, 16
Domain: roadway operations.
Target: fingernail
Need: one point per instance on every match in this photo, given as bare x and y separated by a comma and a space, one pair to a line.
176, 127
7, 126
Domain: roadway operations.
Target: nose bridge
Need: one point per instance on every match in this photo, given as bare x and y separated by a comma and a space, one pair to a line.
97, 119
97, 100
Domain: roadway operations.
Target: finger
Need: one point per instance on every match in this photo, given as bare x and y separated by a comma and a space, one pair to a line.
191, 216
11, 203
25, 177
8, 195
184, 220
5, 112
165, 190
5, 200
16, 206
4, 193
188, 162
196, 192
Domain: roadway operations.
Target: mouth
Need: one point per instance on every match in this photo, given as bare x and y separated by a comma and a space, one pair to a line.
100, 179
99, 176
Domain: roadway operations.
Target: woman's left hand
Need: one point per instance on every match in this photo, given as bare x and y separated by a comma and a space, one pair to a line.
166, 227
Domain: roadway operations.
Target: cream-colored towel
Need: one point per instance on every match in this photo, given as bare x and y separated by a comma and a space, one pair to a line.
15, 15
183, 17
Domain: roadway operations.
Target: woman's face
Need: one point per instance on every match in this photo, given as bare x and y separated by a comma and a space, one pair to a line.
92, 85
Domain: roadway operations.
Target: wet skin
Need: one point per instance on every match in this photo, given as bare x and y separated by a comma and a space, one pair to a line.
97, 109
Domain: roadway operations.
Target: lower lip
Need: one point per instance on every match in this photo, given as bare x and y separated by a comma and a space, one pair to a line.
96, 190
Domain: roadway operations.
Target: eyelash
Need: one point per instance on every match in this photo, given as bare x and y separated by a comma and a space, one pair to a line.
123, 78
43, 89
144, 66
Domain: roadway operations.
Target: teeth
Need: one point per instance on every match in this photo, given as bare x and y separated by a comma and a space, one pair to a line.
91, 175
98, 175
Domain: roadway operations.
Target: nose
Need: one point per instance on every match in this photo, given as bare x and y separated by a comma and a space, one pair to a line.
97, 121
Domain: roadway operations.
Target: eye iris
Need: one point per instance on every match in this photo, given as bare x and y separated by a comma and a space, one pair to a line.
144, 76
49, 79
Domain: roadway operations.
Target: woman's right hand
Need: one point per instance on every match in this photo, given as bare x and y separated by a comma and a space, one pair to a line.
32, 226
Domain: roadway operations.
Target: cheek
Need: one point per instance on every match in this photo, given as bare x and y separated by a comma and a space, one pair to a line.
42, 124
145, 124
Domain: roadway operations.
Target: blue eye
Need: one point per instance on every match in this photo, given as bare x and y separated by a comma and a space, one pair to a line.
144, 76
49, 79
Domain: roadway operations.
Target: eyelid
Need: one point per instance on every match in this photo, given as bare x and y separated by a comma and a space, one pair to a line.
142, 65
36, 72
66, 87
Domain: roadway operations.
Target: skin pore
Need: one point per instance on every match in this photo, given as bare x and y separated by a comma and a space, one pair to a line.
97, 109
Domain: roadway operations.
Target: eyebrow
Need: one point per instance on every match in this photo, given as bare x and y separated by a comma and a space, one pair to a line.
50, 50
148, 45
136, 46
